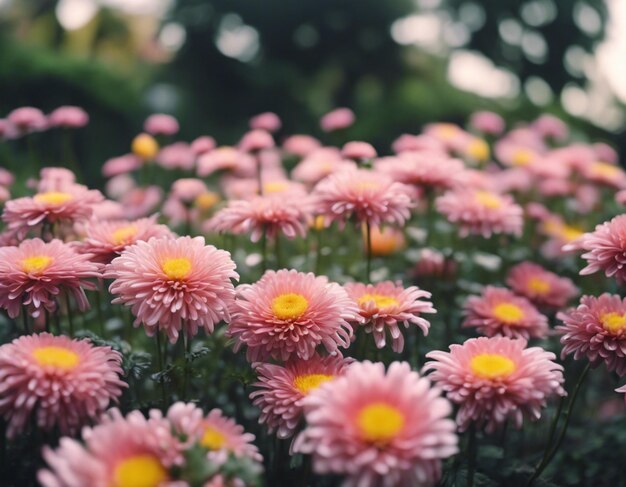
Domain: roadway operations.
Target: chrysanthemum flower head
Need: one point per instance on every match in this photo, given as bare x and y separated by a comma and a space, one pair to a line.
36, 273
268, 121
596, 329
176, 156
541, 286
499, 312
387, 305
337, 119
161, 124
365, 425
425, 169
58, 381
495, 379
358, 150
487, 122
319, 163
288, 314
174, 285
68, 117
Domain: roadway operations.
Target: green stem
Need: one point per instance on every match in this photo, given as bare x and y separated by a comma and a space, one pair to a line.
318, 251
472, 452
99, 311
278, 250
259, 176
264, 250
368, 268
25, 320
161, 369
187, 370
70, 317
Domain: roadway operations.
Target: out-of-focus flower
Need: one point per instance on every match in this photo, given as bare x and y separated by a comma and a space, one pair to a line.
177, 156
145, 147
387, 305
223, 159
56, 381
6, 177
174, 285
433, 264
605, 152
288, 314
7, 131
496, 379
475, 149
542, 287
202, 145
267, 121
549, 126
161, 124
364, 424
55, 179
417, 143
141, 202
256, 140
301, 145
338, 119
188, 189
121, 165
385, 240
606, 173
424, 169
68, 117
358, 150
319, 163
487, 122
118, 186
26, 120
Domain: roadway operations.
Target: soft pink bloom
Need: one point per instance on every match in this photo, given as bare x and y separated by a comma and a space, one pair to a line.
161, 124
27, 119
338, 119
119, 185
105, 240
542, 287
5, 194
6, 177
267, 121
367, 196
116, 452
358, 150
587, 198
69, 117
605, 152
417, 143
57, 381
177, 156
121, 165
55, 179
620, 197
188, 189
226, 159
256, 140
434, 264
481, 212
448, 134
499, 312
7, 131
365, 425
319, 163
202, 145
36, 275
549, 126
496, 379
387, 305
109, 210
174, 284
425, 169
555, 187
141, 202
282, 388
605, 173
301, 145
487, 122
513, 179
596, 330
288, 314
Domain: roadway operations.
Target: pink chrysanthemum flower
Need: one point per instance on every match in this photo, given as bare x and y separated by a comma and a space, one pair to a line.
365, 425
358, 150
177, 156
481, 212
289, 314
368, 196
496, 379
542, 287
58, 381
282, 388
386, 305
596, 329
121, 451
268, 121
274, 214
301, 145
499, 312
319, 164
202, 145
68, 117
140, 202
73, 204
161, 124
337, 119
487, 122
27, 119
433, 170
121, 165
36, 275
106, 240
174, 284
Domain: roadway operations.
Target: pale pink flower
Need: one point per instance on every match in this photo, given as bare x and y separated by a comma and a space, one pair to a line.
226, 159
202, 145
108, 210
7, 130
358, 150
161, 124
365, 425
256, 140
119, 185
174, 284
176, 156
487, 122
605, 173
55, 179
417, 143
425, 169
499, 312
387, 305
68, 117
549, 126
141, 202
542, 287
605, 152
5, 194
267, 121
27, 119
121, 165
319, 163
496, 379
188, 189
36, 275
289, 314
56, 381
301, 145
511, 152
367, 196
596, 330
481, 212
6, 177
434, 264
339, 118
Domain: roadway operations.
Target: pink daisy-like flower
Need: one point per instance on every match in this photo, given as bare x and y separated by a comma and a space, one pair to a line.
386, 305
596, 329
282, 388
319, 164
301, 145
68, 117
337, 119
365, 425
368, 196
425, 169
542, 287
174, 284
496, 379
358, 150
106, 240
272, 214
36, 274
121, 451
177, 156
499, 312
202, 145
605, 173
161, 124
268, 121
418, 143
55, 179
141, 202
289, 314
226, 159
62, 382
481, 212
256, 140
121, 165
27, 119
73, 204
487, 122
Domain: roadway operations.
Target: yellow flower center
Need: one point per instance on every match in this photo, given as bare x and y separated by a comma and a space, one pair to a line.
176, 269
213, 439
522, 157
54, 198
365, 185
319, 223
139, 471
36, 264
478, 149
206, 201
307, 382
124, 235
488, 200
492, 366
289, 306
145, 147
380, 300
379, 423
508, 313
538, 286
613, 322
275, 187
604, 169
57, 357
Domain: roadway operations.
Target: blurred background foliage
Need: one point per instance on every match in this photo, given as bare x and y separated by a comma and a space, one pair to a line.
398, 64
